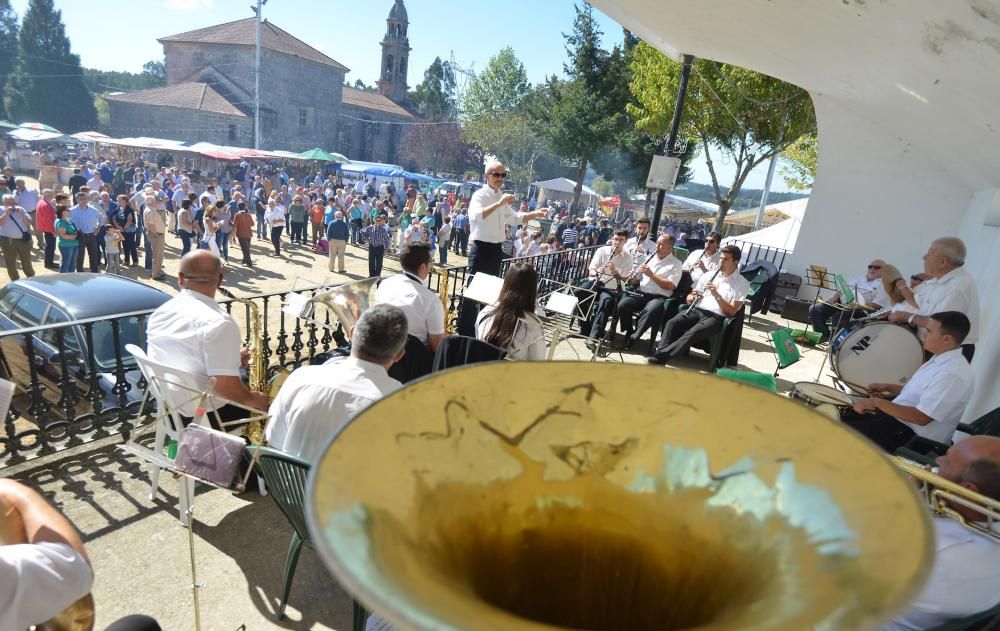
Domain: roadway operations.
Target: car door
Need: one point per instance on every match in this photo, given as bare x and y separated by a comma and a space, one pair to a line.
25, 311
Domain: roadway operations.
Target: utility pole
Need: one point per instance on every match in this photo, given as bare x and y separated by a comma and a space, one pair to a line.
258, 10
668, 149
770, 175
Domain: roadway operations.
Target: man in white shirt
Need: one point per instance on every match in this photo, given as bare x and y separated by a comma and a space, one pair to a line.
705, 260
640, 246
965, 578
950, 288
868, 290
608, 268
315, 402
193, 334
715, 297
932, 402
658, 277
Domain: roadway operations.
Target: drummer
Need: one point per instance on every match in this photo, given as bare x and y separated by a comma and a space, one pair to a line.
870, 292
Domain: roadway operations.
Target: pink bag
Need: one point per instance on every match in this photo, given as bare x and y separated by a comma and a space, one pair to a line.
323, 246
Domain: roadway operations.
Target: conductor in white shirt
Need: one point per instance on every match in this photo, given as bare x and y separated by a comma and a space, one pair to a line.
965, 578
932, 402
315, 402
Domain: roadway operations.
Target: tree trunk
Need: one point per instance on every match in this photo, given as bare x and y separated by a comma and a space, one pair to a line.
720, 218
581, 172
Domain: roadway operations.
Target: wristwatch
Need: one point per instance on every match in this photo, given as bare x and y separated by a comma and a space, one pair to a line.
909, 320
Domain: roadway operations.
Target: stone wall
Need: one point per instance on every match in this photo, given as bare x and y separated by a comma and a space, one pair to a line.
371, 139
175, 123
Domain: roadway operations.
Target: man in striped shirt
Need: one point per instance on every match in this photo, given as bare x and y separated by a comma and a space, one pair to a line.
378, 236
570, 236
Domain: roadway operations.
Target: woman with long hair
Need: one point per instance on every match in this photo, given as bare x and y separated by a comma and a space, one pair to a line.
511, 323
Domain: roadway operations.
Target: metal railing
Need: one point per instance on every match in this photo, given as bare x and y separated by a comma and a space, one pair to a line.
76, 384
751, 252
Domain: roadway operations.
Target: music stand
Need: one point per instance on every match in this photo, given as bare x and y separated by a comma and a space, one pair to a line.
562, 300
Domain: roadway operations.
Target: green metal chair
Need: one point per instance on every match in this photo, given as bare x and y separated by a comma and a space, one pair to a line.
925, 451
753, 378
715, 342
680, 253
285, 477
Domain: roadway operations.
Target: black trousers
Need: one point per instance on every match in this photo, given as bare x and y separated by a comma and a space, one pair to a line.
276, 239
484, 257
880, 428
651, 306
50, 249
375, 255
245, 247
686, 329
603, 308
88, 244
820, 312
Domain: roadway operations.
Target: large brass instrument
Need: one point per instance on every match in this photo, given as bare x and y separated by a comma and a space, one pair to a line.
347, 301
449, 315
942, 495
608, 497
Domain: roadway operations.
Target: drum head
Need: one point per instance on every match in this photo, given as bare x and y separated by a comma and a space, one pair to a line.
878, 352
817, 393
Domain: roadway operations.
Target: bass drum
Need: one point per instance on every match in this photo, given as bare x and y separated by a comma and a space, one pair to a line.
875, 352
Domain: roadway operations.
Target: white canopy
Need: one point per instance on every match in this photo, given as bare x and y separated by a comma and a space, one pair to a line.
562, 189
33, 135
781, 235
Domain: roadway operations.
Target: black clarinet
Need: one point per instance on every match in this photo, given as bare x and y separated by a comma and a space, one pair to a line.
702, 295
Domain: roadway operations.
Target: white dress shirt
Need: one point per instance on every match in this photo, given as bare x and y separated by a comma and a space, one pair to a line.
622, 262
731, 288
873, 291
668, 267
965, 579
315, 402
529, 338
940, 388
648, 246
39, 580
711, 262
422, 307
192, 334
955, 291
490, 229
275, 216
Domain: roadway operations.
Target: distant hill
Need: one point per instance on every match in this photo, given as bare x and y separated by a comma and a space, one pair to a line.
749, 197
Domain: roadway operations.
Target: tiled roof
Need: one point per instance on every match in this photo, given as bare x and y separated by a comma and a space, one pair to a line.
192, 96
373, 101
244, 32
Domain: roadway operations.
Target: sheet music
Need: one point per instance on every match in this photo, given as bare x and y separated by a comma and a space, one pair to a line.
484, 288
297, 305
6, 396
564, 304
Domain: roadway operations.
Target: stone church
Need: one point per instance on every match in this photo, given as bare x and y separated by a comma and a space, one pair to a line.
303, 100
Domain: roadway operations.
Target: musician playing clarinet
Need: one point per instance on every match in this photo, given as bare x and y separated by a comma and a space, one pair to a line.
657, 278
706, 260
715, 297
609, 267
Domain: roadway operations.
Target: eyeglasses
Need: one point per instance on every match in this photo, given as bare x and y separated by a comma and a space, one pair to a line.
712, 241
499, 175
874, 267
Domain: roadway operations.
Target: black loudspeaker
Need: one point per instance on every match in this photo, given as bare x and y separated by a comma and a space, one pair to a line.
796, 309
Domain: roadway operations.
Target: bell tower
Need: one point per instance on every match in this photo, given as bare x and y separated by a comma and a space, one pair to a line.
395, 54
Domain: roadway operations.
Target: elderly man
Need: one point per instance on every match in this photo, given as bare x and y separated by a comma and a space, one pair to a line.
88, 221
155, 220
950, 288
191, 332
965, 578
317, 401
15, 238
28, 200
45, 218
657, 278
868, 291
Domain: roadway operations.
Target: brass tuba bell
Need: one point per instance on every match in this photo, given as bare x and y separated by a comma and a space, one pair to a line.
347, 301
538, 496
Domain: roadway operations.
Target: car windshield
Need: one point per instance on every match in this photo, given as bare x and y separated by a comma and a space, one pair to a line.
104, 342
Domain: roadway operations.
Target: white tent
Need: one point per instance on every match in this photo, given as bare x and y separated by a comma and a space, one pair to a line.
562, 189
782, 234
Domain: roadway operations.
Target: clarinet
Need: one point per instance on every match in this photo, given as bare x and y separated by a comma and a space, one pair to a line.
702, 295
631, 276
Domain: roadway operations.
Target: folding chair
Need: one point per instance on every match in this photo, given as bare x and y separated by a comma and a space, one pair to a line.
460, 350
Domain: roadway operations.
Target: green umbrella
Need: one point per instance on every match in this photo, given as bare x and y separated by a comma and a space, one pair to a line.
322, 156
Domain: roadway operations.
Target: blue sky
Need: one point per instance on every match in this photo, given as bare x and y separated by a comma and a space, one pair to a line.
121, 34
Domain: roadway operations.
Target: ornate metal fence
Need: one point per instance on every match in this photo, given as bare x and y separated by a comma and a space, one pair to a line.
77, 385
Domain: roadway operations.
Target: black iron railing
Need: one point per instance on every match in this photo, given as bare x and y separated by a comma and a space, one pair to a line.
77, 384
751, 252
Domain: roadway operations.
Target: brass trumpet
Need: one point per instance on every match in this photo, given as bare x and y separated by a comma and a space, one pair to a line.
940, 494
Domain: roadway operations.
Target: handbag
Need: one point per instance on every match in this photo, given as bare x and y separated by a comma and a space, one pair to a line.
210, 454
25, 235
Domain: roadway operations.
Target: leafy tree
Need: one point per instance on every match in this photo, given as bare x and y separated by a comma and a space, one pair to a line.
8, 46
578, 117
493, 116
435, 96
438, 148
603, 187
360, 85
798, 165
153, 75
47, 83
156, 70
747, 115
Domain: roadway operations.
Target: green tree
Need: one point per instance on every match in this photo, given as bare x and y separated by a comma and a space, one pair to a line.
156, 70
798, 163
47, 83
494, 118
153, 75
603, 187
746, 115
578, 117
434, 97
8, 46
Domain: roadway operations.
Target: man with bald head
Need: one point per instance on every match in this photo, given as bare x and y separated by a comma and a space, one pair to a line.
868, 291
965, 578
192, 333
950, 288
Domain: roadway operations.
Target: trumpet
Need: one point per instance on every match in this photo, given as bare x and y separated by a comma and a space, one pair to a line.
942, 494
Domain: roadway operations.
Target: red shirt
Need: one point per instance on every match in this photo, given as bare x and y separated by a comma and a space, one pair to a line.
45, 216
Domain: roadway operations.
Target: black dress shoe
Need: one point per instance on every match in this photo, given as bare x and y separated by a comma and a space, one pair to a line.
629, 343
655, 361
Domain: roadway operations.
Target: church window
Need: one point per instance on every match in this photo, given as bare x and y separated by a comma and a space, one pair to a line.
268, 122
388, 68
231, 137
399, 31
198, 57
305, 117
402, 70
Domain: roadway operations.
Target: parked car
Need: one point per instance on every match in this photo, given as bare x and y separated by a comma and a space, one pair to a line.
60, 298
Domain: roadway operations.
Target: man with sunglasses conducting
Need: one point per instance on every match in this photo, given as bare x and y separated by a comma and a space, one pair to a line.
489, 214
867, 286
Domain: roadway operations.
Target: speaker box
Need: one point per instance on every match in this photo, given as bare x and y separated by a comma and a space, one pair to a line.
796, 309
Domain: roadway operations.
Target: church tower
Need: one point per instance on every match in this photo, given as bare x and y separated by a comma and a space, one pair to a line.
395, 54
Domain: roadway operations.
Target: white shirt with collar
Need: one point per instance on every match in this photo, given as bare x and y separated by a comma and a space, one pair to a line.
192, 334
872, 290
529, 337
315, 402
490, 229
648, 246
622, 262
940, 388
39, 580
731, 288
711, 262
668, 267
422, 307
965, 579
955, 291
